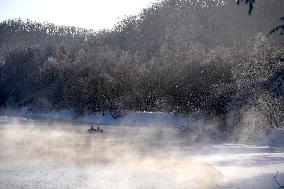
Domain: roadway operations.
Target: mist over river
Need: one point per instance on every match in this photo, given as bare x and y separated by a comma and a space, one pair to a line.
45, 154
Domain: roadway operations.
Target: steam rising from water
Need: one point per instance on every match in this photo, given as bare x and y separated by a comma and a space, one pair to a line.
121, 157
63, 155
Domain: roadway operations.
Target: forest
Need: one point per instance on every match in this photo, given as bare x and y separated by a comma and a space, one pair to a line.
201, 58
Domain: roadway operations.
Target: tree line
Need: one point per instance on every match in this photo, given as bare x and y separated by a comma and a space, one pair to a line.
203, 58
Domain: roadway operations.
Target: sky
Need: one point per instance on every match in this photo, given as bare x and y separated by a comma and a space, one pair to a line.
91, 14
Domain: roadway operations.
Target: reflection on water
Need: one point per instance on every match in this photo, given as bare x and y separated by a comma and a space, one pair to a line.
65, 155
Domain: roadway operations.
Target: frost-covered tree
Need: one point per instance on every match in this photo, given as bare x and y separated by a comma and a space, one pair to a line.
253, 73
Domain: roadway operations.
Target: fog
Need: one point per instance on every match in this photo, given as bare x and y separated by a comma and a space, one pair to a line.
49, 154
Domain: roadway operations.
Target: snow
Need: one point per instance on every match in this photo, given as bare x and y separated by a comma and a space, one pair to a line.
104, 118
10, 119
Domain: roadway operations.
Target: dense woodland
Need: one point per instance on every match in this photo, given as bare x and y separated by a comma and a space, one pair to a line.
198, 57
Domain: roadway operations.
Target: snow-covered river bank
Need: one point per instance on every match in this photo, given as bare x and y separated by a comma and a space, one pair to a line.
63, 155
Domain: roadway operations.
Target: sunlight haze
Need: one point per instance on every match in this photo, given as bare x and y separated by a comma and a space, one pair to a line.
94, 14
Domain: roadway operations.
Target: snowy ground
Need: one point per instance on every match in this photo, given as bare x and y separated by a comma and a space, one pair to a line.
41, 154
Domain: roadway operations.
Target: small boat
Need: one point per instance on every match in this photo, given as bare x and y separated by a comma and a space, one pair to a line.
95, 130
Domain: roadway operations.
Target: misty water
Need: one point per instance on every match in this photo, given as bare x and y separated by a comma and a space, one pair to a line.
44, 154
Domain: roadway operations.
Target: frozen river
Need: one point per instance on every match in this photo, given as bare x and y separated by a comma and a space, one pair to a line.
62, 155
